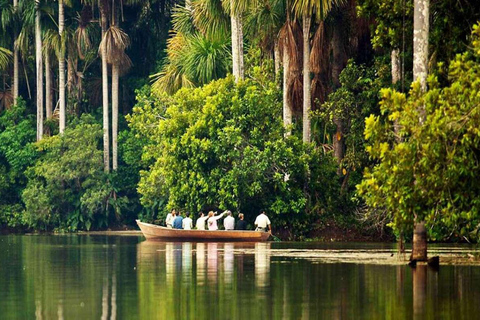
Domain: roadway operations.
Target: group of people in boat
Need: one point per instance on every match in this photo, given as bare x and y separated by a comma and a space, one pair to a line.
175, 220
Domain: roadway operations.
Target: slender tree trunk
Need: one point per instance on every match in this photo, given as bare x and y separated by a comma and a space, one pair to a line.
241, 67
106, 136
420, 41
420, 72
287, 108
237, 46
15, 59
235, 66
307, 93
61, 68
39, 66
48, 87
337, 67
276, 54
115, 77
396, 76
396, 68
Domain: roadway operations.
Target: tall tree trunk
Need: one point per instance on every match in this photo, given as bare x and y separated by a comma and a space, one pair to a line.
48, 87
106, 136
115, 76
61, 67
396, 76
276, 56
15, 59
241, 67
338, 64
39, 67
237, 46
287, 108
420, 71
307, 94
396, 68
420, 41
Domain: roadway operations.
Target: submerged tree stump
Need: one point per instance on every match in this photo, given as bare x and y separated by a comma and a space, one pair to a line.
419, 247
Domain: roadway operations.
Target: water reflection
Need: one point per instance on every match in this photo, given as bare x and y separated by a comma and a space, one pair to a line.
262, 263
419, 291
113, 278
200, 262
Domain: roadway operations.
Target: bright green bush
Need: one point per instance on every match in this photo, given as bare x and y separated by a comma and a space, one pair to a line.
223, 146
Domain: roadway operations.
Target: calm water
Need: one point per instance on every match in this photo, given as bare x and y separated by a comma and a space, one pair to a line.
125, 277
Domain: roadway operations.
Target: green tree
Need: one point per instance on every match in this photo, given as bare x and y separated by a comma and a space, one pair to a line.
66, 186
431, 175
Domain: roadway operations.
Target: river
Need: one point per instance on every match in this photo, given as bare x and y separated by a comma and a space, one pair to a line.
125, 277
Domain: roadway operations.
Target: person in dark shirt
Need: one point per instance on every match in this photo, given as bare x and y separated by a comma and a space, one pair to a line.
178, 221
241, 224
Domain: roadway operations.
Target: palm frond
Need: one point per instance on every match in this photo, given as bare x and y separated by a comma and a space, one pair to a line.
210, 18
114, 41
182, 20
5, 58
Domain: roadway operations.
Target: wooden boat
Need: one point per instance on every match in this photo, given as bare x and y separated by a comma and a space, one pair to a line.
154, 232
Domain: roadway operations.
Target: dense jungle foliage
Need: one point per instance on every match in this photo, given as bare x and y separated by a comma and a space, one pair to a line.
307, 109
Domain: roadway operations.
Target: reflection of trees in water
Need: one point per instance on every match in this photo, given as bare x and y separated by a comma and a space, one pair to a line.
262, 264
100, 277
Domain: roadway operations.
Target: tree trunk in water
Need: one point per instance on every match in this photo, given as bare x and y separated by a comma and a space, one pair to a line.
115, 76
420, 71
307, 94
419, 250
106, 136
237, 46
15, 60
48, 87
61, 68
39, 67
287, 108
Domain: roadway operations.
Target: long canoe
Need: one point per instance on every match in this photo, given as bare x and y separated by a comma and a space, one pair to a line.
154, 232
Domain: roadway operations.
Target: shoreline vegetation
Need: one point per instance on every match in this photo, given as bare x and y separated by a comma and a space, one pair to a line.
345, 120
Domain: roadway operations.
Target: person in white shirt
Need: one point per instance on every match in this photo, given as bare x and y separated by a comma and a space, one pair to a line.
187, 223
229, 221
262, 222
212, 220
201, 221
169, 219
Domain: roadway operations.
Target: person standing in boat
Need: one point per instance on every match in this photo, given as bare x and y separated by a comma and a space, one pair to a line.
187, 223
212, 220
241, 224
262, 222
169, 219
200, 225
178, 221
229, 221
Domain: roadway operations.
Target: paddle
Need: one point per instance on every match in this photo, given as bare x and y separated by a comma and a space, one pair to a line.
275, 238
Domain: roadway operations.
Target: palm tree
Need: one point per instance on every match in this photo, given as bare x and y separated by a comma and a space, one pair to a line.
15, 55
39, 68
113, 44
103, 54
61, 66
306, 9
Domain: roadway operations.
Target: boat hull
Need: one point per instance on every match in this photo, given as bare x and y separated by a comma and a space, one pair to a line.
154, 232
